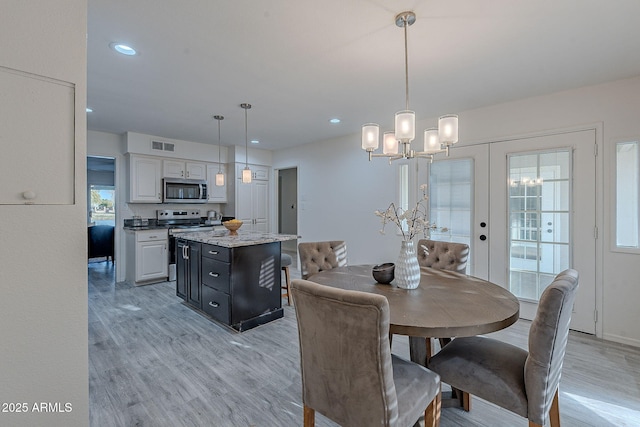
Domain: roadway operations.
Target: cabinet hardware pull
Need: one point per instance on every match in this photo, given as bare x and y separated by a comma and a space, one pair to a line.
213, 252
214, 304
212, 274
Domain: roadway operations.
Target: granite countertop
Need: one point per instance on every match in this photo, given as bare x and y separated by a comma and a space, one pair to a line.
246, 238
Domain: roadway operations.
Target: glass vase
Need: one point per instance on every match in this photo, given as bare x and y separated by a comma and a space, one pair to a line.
407, 272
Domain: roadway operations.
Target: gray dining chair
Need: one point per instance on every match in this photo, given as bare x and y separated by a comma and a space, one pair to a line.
442, 256
320, 256
524, 382
348, 372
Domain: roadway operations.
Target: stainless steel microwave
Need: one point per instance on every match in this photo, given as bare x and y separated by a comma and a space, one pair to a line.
184, 190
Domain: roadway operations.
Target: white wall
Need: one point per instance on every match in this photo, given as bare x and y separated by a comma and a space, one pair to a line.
43, 309
339, 189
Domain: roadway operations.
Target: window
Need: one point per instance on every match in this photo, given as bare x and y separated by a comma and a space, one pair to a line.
627, 175
102, 205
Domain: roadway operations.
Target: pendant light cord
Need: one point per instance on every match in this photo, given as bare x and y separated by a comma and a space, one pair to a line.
219, 165
246, 138
406, 63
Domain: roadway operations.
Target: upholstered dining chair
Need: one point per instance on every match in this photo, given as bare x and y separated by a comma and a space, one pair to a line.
348, 372
320, 256
442, 256
524, 382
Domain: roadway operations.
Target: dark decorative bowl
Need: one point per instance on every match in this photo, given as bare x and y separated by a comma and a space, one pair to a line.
384, 273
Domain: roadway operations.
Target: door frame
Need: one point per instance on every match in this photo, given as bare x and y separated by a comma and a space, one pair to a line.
276, 200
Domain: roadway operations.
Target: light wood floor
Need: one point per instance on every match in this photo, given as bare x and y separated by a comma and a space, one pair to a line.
155, 362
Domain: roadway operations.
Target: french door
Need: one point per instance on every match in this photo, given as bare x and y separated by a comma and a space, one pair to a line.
531, 214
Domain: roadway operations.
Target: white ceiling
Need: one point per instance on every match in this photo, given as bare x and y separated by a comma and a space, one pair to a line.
300, 63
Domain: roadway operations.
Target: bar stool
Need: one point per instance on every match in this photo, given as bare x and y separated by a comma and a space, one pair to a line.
285, 262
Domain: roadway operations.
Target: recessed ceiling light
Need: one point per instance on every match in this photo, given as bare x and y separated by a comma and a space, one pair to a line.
255, 141
123, 49
89, 110
334, 121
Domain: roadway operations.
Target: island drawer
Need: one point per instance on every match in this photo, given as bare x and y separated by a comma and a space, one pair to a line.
216, 252
216, 274
216, 304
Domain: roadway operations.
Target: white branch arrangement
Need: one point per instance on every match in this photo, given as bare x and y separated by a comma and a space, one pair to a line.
416, 219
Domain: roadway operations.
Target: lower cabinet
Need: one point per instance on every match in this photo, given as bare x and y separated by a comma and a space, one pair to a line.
150, 256
188, 286
239, 286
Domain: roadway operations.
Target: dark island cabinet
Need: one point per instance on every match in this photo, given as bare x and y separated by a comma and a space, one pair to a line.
188, 272
239, 286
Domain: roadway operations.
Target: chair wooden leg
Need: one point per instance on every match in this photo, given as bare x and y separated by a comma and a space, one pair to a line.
309, 417
432, 413
287, 280
554, 412
466, 401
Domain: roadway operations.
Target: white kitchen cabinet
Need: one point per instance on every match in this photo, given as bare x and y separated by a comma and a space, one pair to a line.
184, 170
252, 200
151, 256
217, 194
258, 173
145, 181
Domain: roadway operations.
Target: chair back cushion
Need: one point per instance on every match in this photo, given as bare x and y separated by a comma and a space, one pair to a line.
443, 255
347, 373
319, 256
547, 344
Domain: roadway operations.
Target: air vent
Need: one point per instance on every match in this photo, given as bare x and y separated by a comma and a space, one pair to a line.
162, 146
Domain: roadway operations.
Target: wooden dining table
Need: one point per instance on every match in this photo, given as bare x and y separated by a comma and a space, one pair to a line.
445, 304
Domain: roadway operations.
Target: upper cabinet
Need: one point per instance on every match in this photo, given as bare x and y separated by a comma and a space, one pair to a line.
145, 179
181, 169
217, 194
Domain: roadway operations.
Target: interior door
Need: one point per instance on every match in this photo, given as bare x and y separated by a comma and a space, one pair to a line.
532, 216
542, 216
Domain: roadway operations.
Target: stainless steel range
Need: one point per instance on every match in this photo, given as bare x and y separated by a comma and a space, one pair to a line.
180, 221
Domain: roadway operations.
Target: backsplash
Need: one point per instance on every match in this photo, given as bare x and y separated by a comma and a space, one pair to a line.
148, 210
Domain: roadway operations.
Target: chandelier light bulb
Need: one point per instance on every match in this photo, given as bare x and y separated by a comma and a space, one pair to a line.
389, 143
448, 129
432, 141
370, 136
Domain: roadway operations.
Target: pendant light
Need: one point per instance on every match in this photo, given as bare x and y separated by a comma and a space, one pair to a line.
435, 139
246, 172
220, 174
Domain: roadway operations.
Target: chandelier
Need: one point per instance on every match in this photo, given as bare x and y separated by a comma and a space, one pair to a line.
397, 144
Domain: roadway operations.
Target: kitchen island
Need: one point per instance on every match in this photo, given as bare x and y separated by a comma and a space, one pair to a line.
234, 280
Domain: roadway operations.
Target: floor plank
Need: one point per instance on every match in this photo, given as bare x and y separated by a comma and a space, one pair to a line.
155, 362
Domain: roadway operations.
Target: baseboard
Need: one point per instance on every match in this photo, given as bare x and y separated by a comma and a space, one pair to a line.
621, 340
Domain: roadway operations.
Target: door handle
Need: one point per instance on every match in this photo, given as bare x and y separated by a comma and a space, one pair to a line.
214, 304
212, 274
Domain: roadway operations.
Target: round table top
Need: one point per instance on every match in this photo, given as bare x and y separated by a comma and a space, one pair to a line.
446, 304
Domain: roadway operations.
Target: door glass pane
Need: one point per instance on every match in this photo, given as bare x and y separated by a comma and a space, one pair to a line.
451, 201
539, 220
